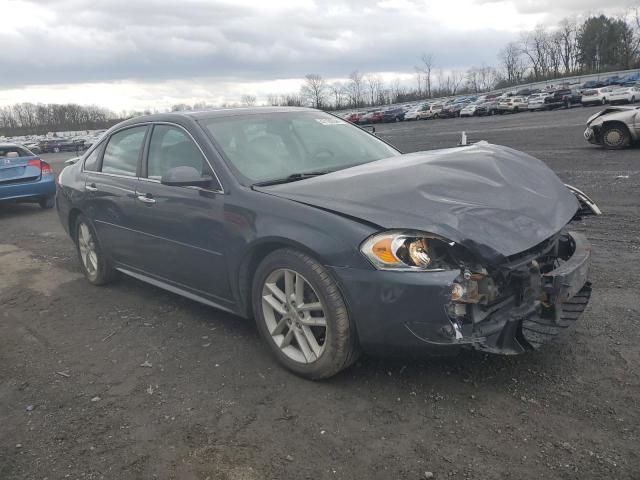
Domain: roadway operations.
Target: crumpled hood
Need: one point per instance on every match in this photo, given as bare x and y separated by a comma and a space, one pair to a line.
493, 199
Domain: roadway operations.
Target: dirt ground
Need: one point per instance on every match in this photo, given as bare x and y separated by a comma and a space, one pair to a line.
130, 382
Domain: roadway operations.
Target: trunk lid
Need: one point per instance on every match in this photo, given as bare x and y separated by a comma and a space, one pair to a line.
17, 169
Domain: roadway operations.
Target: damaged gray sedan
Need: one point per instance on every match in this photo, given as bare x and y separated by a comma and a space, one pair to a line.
614, 127
332, 239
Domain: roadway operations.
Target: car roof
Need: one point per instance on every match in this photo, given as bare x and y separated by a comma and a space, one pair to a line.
11, 145
207, 114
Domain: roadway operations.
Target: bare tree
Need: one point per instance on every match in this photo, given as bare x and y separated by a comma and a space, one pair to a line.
426, 68
373, 85
314, 90
568, 44
248, 100
511, 61
534, 45
354, 88
337, 90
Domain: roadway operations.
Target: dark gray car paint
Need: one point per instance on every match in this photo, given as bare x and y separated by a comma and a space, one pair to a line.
492, 199
252, 223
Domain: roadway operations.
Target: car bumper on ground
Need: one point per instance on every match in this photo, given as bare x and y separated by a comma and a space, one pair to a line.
400, 311
45, 187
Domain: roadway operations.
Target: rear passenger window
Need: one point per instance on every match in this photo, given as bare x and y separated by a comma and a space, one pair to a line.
171, 147
123, 151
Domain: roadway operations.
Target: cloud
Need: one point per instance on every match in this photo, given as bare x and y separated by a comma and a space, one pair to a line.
222, 43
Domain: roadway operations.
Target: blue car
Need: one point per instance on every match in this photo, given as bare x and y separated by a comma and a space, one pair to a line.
24, 177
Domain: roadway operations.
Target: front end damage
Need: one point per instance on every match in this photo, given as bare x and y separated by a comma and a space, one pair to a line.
523, 303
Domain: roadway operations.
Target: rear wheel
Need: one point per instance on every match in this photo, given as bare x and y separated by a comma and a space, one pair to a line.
302, 315
615, 136
604, 101
47, 202
95, 265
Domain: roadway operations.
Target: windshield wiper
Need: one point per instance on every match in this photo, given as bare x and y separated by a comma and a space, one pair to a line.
294, 177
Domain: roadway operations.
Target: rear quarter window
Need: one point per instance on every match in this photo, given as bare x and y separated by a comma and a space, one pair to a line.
15, 151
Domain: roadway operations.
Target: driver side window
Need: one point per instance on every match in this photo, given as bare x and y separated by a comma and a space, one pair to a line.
171, 147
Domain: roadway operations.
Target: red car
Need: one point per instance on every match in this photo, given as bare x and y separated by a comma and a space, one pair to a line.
353, 117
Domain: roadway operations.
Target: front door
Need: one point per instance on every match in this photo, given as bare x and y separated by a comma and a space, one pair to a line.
181, 229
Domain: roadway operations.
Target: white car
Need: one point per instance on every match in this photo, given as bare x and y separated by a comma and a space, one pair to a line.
536, 101
512, 104
624, 95
412, 113
431, 110
470, 110
596, 96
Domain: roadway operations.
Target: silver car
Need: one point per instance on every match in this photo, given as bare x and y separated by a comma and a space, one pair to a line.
614, 127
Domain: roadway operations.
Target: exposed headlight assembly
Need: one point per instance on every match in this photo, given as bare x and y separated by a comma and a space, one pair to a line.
408, 250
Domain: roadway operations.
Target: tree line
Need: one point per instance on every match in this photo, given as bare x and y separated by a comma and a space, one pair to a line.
36, 119
597, 45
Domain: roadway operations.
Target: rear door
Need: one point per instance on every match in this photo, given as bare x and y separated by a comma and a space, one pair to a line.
111, 176
15, 168
181, 230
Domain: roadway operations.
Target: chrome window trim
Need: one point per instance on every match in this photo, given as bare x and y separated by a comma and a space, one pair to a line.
161, 122
116, 175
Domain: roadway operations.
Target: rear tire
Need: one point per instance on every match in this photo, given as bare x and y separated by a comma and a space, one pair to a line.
97, 268
615, 136
313, 347
47, 202
604, 101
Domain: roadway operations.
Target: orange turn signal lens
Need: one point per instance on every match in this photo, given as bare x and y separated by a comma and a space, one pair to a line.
383, 250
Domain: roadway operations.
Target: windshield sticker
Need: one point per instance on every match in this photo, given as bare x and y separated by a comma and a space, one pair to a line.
330, 121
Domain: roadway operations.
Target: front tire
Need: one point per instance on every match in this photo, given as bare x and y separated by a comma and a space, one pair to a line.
615, 137
302, 315
95, 265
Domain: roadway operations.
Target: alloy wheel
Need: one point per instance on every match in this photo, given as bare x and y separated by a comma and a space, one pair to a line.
87, 246
294, 316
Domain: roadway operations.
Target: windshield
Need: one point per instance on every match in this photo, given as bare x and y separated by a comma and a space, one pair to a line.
270, 146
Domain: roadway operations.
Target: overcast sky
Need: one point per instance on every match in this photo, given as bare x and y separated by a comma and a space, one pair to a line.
135, 54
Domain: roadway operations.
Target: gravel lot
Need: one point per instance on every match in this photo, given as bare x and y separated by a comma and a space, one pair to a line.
129, 382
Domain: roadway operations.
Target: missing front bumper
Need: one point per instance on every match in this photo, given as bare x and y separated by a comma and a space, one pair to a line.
515, 325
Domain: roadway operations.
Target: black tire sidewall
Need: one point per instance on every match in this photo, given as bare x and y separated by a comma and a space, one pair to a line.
340, 346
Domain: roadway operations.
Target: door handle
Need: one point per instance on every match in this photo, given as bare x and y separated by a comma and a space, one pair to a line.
91, 188
146, 198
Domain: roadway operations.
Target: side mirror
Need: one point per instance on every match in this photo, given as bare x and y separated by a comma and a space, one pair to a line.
185, 177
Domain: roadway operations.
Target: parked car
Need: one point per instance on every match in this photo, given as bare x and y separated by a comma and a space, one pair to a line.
372, 116
33, 147
489, 107
393, 115
412, 113
564, 97
430, 110
624, 95
526, 92
61, 145
24, 177
326, 235
614, 127
470, 110
613, 80
452, 110
512, 105
591, 84
354, 117
595, 96
536, 102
